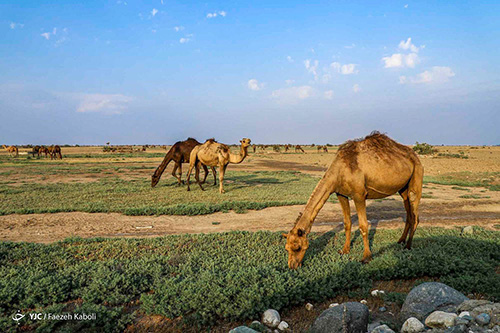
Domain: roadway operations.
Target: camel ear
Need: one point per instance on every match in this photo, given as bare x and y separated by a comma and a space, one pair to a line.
284, 235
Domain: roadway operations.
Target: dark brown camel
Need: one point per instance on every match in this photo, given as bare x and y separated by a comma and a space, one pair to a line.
299, 148
179, 153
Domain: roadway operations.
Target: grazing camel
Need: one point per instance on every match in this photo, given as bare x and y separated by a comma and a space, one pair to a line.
214, 154
12, 150
43, 150
254, 148
325, 149
370, 168
179, 153
299, 148
54, 152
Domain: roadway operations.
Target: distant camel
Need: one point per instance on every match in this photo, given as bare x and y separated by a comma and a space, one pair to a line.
325, 149
179, 153
54, 152
254, 148
299, 148
35, 151
322, 148
43, 150
214, 154
287, 147
371, 168
12, 150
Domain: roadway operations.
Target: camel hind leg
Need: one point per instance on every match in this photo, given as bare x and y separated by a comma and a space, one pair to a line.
414, 196
346, 210
174, 173
188, 176
197, 175
363, 227
409, 215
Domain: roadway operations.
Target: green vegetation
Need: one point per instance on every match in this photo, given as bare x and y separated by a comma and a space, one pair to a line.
489, 180
423, 148
449, 155
245, 190
472, 196
228, 276
461, 188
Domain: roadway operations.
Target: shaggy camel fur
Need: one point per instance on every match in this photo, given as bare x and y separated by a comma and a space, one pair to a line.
370, 168
214, 154
179, 153
12, 150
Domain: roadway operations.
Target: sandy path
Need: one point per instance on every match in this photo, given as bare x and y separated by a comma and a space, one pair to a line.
46, 228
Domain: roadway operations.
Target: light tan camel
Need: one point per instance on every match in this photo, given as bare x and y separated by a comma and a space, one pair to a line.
12, 150
213, 154
370, 168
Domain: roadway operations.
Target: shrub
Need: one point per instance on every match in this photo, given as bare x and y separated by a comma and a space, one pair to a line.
423, 148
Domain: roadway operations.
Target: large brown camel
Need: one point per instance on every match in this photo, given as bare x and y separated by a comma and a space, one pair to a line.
54, 152
370, 168
179, 153
214, 154
12, 150
299, 148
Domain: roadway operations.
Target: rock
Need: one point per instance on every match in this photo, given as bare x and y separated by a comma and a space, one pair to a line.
382, 309
469, 230
258, 326
412, 325
470, 304
383, 329
374, 293
363, 301
309, 306
429, 297
457, 329
333, 304
483, 319
440, 319
462, 321
464, 313
283, 326
349, 317
271, 318
242, 329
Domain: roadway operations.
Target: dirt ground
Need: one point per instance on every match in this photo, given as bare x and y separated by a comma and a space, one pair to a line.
445, 207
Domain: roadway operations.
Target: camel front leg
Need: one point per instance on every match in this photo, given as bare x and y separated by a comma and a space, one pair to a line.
180, 174
206, 173
174, 173
346, 210
188, 176
222, 171
363, 227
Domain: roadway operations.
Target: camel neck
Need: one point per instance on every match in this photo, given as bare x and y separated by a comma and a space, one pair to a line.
240, 157
325, 187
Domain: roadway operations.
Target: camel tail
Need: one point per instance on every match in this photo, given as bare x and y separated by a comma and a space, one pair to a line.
159, 171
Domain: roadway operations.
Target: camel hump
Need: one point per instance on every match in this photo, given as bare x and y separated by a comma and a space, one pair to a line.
211, 140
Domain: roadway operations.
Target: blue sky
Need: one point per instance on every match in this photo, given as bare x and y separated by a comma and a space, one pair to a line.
128, 72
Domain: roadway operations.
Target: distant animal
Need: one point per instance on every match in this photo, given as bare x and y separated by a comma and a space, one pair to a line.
287, 147
43, 150
214, 154
322, 148
371, 168
55, 152
179, 153
298, 148
12, 150
254, 148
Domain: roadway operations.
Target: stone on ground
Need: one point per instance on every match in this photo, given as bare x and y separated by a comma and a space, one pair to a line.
271, 318
383, 329
440, 319
412, 325
349, 317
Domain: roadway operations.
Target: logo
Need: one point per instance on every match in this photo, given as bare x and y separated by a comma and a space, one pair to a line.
18, 316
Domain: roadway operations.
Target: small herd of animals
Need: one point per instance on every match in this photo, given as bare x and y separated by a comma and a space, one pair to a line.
53, 151
373, 167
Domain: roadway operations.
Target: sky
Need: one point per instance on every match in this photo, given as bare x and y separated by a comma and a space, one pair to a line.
156, 72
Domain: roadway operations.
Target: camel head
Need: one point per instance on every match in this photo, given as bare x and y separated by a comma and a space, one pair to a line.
296, 245
245, 142
154, 180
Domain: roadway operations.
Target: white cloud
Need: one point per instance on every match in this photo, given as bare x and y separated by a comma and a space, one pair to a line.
215, 14
290, 60
184, 40
253, 84
406, 6
289, 82
162, 2
211, 15
46, 35
292, 95
179, 28
312, 67
437, 74
345, 69
222, 13
14, 25
401, 60
408, 46
54, 31
328, 94
356, 88
104, 103
154, 11
350, 46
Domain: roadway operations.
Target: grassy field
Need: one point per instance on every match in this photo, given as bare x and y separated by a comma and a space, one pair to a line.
229, 276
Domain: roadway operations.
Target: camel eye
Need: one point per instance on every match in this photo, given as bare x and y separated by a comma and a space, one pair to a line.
298, 249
